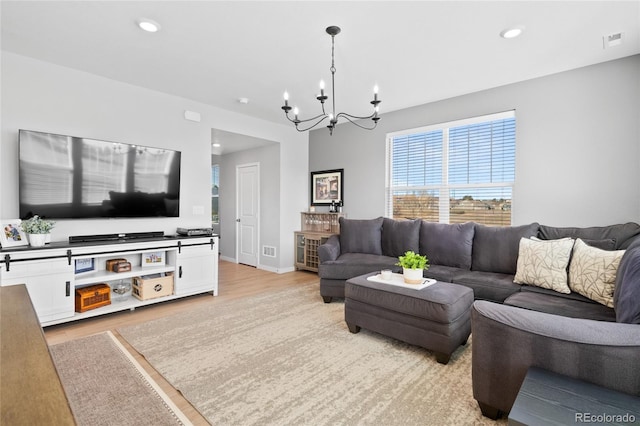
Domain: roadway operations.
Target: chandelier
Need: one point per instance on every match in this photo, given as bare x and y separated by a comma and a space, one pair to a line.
310, 123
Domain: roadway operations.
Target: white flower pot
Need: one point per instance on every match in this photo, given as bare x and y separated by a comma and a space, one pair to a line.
37, 240
412, 276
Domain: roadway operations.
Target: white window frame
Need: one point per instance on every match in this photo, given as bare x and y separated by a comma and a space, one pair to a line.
444, 188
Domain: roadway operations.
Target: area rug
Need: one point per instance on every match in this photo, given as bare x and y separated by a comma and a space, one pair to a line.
106, 386
287, 358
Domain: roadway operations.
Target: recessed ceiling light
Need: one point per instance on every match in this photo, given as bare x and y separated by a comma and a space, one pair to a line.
216, 145
512, 32
243, 100
148, 25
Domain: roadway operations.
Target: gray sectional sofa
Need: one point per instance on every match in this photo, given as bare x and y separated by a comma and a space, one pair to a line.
514, 326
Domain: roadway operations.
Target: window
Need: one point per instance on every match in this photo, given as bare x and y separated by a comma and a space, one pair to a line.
454, 172
215, 187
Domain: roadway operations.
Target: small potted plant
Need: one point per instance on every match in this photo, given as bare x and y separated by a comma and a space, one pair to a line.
412, 266
37, 229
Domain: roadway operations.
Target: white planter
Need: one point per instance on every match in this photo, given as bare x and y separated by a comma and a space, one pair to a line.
412, 276
37, 240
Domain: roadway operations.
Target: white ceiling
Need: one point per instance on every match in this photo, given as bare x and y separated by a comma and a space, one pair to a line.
417, 52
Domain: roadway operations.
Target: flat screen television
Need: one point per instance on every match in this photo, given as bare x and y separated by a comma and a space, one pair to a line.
70, 177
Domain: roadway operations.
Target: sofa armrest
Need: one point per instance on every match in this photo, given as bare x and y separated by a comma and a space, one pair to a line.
508, 340
330, 250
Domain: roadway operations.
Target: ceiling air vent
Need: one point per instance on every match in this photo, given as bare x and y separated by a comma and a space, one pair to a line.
612, 40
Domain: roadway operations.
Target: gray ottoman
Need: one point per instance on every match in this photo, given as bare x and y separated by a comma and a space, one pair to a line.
436, 318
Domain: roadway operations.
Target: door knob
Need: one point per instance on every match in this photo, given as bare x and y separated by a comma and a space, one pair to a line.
237, 220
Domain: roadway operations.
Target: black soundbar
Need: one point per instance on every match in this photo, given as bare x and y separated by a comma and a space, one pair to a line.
115, 237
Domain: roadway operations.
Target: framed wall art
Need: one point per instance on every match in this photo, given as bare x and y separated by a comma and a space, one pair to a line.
327, 186
12, 235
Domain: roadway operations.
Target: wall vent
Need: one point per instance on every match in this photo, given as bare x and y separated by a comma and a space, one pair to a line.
269, 251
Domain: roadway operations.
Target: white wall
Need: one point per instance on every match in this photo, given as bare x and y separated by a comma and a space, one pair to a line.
577, 146
41, 96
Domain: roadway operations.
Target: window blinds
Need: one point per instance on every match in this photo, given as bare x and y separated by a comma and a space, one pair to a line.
454, 172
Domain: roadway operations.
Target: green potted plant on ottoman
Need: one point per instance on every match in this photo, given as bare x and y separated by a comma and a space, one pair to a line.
412, 266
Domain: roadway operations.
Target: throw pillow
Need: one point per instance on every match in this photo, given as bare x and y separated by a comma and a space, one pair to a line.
361, 236
543, 263
400, 235
593, 272
495, 248
447, 244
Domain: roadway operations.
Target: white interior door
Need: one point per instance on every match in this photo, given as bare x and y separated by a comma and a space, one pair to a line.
248, 213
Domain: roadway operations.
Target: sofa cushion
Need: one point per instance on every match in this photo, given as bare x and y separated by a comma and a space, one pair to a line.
488, 285
593, 272
626, 296
622, 234
543, 263
571, 296
558, 305
361, 235
495, 248
398, 236
443, 273
447, 244
349, 265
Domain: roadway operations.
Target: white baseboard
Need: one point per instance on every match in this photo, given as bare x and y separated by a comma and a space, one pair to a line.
263, 267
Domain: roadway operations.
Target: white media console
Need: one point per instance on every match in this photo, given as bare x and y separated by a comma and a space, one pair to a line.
52, 273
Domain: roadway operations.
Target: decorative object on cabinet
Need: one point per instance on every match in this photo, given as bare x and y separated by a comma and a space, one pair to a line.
325, 223
118, 265
327, 187
122, 289
84, 265
155, 258
37, 229
92, 297
12, 234
150, 287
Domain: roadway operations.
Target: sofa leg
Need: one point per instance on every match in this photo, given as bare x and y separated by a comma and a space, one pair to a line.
327, 299
353, 328
489, 411
443, 358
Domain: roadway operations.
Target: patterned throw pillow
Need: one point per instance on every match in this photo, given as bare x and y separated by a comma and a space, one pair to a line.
592, 272
543, 263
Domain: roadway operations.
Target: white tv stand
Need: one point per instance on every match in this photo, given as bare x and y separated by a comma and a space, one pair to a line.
51, 276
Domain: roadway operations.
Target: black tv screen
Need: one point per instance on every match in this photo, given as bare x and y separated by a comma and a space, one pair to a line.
70, 177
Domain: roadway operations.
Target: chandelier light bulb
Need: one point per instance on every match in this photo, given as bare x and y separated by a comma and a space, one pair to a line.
286, 96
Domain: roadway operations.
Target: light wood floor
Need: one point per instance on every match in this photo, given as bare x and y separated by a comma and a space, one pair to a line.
234, 281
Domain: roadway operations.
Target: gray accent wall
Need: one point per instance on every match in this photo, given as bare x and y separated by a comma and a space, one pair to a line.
577, 145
